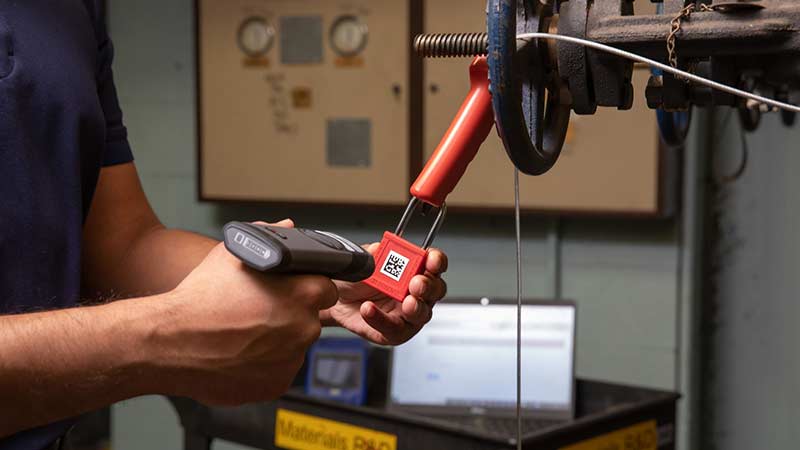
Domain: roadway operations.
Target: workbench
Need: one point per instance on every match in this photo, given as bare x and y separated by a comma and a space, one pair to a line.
608, 417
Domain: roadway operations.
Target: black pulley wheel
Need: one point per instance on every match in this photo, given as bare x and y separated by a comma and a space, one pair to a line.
531, 108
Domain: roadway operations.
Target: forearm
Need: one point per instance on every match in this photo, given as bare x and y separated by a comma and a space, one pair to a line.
157, 261
127, 252
178, 253
59, 364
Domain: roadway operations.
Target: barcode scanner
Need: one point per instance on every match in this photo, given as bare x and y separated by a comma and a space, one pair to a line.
273, 249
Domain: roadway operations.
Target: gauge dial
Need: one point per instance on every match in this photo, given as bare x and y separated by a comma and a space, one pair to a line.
349, 36
256, 37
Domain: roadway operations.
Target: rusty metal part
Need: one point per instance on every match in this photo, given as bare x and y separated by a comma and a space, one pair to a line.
573, 65
733, 38
771, 30
723, 69
675, 29
787, 117
730, 39
451, 45
741, 5
676, 93
749, 115
654, 92
611, 75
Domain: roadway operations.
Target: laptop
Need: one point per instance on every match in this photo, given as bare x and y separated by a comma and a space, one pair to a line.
461, 367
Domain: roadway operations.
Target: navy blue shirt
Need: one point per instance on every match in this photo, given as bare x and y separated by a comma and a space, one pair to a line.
60, 122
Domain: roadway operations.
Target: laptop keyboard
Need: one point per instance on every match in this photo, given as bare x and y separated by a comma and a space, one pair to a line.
505, 426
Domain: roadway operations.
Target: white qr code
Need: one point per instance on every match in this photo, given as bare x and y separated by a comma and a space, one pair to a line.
394, 266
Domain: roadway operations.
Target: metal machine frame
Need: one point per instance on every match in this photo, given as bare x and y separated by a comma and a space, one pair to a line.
751, 44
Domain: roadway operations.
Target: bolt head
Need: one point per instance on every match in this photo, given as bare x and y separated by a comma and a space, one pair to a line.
655, 92
627, 97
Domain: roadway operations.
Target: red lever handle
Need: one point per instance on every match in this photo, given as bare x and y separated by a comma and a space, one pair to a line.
462, 141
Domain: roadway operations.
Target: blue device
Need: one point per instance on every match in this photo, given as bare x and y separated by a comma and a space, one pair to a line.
337, 370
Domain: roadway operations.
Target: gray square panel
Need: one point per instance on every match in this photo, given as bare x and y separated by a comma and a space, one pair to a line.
301, 39
349, 142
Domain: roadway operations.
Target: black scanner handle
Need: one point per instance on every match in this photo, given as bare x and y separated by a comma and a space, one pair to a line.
272, 249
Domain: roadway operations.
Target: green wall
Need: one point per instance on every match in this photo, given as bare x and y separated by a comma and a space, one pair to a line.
752, 373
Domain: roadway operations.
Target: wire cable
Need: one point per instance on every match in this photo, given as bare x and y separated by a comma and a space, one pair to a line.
664, 67
743, 162
519, 307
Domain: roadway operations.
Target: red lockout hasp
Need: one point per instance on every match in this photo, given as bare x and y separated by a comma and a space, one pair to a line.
398, 260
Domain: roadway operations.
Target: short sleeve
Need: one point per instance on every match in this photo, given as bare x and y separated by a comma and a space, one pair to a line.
117, 149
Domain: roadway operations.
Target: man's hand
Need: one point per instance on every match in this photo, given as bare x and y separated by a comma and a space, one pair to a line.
237, 335
382, 320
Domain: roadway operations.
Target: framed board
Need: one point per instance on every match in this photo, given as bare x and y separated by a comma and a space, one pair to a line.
307, 101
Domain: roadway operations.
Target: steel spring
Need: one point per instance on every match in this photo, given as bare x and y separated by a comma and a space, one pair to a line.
451, 45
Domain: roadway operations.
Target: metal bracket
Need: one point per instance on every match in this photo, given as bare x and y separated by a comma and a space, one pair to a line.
573, 64
611, 75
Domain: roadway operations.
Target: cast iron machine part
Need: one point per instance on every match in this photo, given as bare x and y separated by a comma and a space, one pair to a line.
536, 84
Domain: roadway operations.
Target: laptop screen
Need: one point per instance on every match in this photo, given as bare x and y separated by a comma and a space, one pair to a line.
465, 360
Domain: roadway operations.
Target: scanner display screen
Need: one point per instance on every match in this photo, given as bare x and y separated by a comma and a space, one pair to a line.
337, 371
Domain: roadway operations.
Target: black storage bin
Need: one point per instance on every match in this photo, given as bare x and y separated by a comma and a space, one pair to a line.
608, 417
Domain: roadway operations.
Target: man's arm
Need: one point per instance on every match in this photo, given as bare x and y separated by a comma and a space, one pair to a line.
61, 363
225, 335
212, 329
58, 364
126, 250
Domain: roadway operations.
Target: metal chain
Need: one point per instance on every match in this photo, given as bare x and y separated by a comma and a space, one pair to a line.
675, 27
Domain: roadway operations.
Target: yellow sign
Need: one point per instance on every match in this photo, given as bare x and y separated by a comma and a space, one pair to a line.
643, 436
297, 431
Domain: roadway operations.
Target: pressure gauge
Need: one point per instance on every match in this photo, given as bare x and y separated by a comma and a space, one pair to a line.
349, 36
256, 37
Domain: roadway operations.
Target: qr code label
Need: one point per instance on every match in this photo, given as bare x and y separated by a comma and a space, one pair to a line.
394, 266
